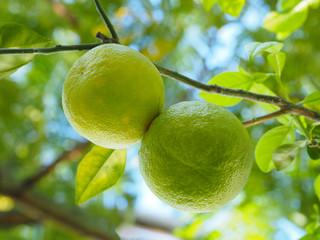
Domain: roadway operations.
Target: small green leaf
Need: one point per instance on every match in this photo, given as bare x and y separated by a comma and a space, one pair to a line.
313, 152
313, 149
269, 142
13, 35
312, 99
241, 70
260, 77
285, 154
317, 186
233, 80
255, 48
232, 7
284, 5
285, 23
316, 124
99, 170
262, 89
208, 4
285, 119
277, 61
313, 130
289, 20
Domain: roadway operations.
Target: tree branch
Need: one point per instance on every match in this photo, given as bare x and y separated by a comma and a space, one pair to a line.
106, 20
14, 218
37, 208
286, 106
264, 118
32, 180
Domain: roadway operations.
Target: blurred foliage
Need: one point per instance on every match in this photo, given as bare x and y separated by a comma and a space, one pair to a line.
182, 36
291, 17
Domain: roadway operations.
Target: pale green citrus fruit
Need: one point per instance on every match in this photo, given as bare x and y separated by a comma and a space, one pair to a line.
112, 94
196, 156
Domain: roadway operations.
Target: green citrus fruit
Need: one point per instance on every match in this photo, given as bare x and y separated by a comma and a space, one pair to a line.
196, 156
112, 94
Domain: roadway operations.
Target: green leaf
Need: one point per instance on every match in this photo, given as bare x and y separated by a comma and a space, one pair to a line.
286, 22
99, 170
283, 5
233, 80
285, 154
316, 124
13, 35
262, 89
241, 70
232, 7
313, 152
269, 142
260, 77
277, 61
312, 99
255, 48
317, 186
208, 4
285, 119
313, 130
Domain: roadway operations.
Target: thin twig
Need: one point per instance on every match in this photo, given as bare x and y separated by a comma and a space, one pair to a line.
106, 20
74, 152
264, 118
49, 50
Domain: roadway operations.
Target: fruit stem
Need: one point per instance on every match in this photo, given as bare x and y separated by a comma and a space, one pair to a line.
106, 20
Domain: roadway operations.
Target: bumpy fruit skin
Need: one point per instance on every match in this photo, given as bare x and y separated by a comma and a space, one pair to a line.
196, 156
111, 95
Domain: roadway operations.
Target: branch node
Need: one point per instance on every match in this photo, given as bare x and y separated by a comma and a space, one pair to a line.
106, 20
105, 39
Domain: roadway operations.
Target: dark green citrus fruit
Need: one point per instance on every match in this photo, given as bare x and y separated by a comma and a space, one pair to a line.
196, 156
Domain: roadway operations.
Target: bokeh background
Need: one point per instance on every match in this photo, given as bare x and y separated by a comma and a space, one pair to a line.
179, 35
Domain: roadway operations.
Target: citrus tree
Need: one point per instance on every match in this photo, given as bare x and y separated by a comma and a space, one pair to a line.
195, 156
